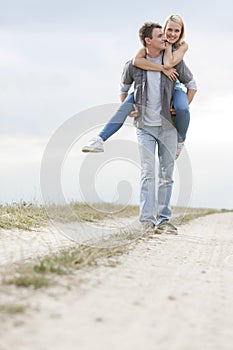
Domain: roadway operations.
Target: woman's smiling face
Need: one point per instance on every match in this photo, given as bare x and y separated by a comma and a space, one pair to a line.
172, 32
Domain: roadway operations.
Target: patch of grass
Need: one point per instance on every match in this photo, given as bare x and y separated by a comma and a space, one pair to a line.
12, 308
190, 214
42, 272
76, 258
92, 212
24, 216
26, 280
29, 216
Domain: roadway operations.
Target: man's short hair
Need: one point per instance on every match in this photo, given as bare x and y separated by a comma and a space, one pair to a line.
146, 31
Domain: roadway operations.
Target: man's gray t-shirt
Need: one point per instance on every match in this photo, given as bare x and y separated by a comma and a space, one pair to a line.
153, 104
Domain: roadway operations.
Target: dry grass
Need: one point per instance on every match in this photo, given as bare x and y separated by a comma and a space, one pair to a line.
44, 272
13, 308
24, 216
184, 215
28, 216
92, 212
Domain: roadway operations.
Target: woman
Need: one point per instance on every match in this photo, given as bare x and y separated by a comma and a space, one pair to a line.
174, 53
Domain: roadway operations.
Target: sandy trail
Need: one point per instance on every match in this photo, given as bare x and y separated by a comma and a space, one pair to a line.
171, 292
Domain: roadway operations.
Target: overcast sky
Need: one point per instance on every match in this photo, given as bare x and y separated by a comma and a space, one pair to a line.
60, 58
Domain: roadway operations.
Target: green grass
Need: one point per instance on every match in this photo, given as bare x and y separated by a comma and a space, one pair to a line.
13, 308
23, 216
29, 216
27, 279
42, 272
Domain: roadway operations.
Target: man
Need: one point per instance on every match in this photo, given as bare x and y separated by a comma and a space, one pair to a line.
153, 95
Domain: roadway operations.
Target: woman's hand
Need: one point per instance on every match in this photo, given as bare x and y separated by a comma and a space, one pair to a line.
134, 113
172, 58
171, 73
172, 111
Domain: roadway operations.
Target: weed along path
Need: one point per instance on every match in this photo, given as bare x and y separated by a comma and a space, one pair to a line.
19, 245
168, 292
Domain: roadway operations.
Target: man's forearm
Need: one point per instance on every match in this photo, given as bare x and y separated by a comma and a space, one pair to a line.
191, 94
123, 97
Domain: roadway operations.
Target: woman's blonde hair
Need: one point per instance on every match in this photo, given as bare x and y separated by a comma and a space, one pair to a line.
177, 19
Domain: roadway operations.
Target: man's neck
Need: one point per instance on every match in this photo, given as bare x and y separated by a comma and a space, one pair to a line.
153, 53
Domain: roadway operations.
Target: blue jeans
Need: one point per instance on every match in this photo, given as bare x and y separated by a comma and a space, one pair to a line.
181, 105
118, 119
149, 138
180, 102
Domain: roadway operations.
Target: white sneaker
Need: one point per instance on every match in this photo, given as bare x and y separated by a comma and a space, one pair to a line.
180, 146
96, 144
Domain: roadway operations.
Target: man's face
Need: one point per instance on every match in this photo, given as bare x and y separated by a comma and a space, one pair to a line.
158, 40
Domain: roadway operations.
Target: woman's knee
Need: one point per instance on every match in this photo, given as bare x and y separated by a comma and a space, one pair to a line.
130, 98
180, 101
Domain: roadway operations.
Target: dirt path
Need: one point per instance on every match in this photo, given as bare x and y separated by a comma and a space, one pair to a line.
16, 245
171, 292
